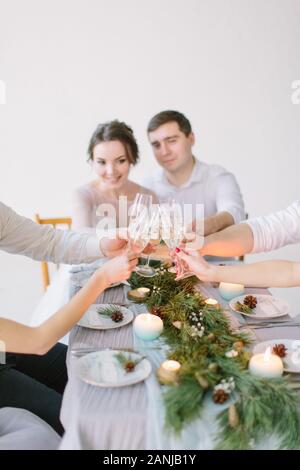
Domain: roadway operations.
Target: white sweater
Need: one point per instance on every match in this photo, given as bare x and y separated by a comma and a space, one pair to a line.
276, 230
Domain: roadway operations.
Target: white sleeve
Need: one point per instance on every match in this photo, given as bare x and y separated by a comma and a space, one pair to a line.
276, 230
22, 236
229, 197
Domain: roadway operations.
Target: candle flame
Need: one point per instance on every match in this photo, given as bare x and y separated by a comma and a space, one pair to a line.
171, 365
267, 354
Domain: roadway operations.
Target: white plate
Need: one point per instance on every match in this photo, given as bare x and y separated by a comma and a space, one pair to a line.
102, 368
291, 361
268, 306
92, 319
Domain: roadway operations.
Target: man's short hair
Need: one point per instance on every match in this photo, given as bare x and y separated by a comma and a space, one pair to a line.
170, 116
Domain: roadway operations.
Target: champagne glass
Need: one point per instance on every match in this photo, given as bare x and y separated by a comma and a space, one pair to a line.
172, 227
139, 223
173, 230
138, 231
141, 202
153, 226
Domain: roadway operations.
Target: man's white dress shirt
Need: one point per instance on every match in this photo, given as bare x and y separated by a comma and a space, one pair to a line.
22, 236
210, 185
273, 231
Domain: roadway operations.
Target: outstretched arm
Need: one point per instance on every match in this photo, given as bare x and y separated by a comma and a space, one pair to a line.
233, 241
217, 222
262, 274
19, 338
20, 235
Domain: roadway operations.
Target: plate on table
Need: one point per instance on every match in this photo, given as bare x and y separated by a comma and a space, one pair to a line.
291, 362
93, 319
102, 368
267, 307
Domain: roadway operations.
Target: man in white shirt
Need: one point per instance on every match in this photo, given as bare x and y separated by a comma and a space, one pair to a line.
188, 180
257, 235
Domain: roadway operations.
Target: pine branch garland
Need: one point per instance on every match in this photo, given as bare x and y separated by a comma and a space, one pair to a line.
262, 407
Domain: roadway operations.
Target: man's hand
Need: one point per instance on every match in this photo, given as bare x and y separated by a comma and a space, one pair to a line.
112, 247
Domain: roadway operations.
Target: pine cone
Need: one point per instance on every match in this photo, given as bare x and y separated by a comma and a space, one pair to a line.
129, 366
250, 301
280, 350
220, 396
117, 316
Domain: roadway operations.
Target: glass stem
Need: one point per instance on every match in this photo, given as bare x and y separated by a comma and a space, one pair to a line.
148, 260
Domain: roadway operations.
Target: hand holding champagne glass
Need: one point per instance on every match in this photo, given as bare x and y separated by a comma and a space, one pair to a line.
139, 225
172, 224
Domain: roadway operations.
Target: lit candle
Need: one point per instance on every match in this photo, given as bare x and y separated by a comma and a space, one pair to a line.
147, 326
266, 365
212, 303
168, 371
228, 291
144, 291
139, 294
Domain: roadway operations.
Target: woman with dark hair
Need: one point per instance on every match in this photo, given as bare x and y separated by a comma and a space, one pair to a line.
112, 151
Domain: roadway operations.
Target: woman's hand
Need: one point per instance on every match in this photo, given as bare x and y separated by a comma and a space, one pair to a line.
197, 264
119, 268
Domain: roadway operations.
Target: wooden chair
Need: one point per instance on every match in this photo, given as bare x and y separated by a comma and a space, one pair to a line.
54, 222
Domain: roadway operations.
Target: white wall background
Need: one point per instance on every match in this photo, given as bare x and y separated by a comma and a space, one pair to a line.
70, 64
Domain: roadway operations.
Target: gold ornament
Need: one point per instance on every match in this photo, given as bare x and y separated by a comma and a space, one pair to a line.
238, 346
201, 380
213, 367
211, 337
233, 416
177, 324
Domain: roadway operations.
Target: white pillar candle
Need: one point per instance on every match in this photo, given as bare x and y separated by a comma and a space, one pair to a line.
228, 290
266, 365
147, 326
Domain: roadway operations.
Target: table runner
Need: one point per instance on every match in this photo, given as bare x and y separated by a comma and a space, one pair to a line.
132, 417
